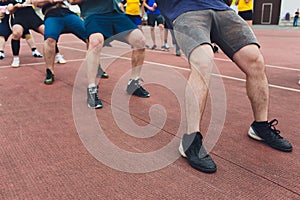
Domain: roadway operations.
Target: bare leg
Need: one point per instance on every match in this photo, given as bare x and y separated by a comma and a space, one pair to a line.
152, 33
49, 51
201, 60
137, 40
251, 62
96, 42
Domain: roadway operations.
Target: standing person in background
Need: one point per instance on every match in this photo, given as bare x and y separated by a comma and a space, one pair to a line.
245, 10
154, 16
296, 18
133, 11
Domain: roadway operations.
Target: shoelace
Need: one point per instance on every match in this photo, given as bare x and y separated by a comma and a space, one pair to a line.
272, 125
94, 94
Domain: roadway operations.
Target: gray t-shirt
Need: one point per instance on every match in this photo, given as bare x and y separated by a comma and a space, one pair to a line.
91, 7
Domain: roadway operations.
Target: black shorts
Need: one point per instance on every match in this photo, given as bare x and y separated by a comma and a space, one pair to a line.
246, 15
29, 22
152, 18
5, 30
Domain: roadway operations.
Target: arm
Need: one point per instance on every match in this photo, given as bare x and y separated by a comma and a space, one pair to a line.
147, 6
41, 3
236, 2
74, 2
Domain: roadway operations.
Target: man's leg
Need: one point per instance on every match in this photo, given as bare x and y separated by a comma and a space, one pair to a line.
137, 40
201, 61
251, 62
15, 43
96, 41
191, 145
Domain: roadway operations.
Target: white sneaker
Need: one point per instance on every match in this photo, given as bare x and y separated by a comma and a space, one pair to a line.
299, 81
36, 54
16, 62
2, 55
60, 59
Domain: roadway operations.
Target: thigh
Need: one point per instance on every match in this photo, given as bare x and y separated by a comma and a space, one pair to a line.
5, 29
151, 20
99, 24
159, 19
231, 32
193, 29
73, 24
53, 27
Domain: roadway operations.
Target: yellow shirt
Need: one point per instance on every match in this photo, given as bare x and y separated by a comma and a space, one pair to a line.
243, 6
133, 7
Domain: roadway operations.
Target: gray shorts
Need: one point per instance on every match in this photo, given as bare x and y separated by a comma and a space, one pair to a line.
225, 28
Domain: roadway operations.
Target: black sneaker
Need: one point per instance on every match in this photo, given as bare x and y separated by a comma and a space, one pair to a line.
49, 77
101, 73
192, 149
267, 133
93, 100
134, 88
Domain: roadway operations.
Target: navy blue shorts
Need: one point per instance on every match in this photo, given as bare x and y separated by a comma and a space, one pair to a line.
136, 19
54, 26
109, 25
4, 28
246, 15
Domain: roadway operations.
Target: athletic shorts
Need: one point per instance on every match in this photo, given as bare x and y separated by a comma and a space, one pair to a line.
225, 28
29, 22
246, 15
136, 19
5, 30
112, 24
71, 23
152, 18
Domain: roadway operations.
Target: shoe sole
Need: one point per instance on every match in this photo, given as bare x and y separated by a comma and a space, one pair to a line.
252, 135
15, 66
95, 107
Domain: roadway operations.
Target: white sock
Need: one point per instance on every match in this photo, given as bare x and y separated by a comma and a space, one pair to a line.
92, 85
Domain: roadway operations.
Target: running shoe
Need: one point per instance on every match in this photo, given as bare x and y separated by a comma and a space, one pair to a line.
36, 54
2, 55
101, 73
49, 77
16, 62
93, 100
134, 88
60, 59
192, 149
267, 133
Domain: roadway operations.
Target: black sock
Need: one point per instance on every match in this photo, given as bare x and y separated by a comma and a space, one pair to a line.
260, 124
1, 51
15, 45
33, 49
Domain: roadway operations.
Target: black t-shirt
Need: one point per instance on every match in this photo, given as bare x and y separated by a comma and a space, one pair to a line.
56, 12
23, 12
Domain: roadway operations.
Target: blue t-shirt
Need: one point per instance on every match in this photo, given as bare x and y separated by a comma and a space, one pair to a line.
150, 3
173, 8
91, 7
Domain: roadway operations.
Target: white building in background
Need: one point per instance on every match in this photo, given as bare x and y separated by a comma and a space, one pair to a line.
289, 6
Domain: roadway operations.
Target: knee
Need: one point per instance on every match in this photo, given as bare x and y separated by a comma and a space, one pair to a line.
50, 42
17, 34
138, 41
96, 40
256, 65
